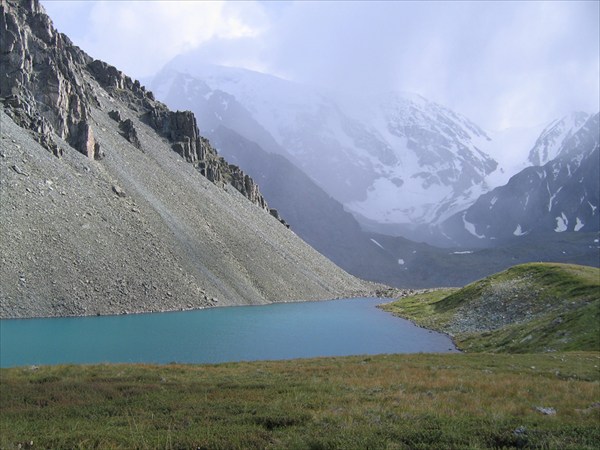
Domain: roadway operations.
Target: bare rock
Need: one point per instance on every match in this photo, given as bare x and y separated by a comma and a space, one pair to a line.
117, 190
19, 170
115, 115
129, 132
546, 411
39, 79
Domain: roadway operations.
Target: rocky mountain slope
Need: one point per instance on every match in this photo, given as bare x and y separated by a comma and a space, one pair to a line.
113, 203
559, 196
316, 217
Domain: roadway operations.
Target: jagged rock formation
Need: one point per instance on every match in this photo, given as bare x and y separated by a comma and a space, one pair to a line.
44, 87
129, 132
39, 83
96, 226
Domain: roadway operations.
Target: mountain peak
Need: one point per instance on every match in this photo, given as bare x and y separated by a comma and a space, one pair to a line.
549, 145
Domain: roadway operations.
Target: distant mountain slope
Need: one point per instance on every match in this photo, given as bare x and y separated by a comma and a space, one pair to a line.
560, 196
526, 309
321, 221
112, 203
402, 165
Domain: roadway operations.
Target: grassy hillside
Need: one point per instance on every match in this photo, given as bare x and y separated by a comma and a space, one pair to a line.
536, 307
378, 402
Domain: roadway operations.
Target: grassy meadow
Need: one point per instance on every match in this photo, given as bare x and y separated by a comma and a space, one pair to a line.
379, 402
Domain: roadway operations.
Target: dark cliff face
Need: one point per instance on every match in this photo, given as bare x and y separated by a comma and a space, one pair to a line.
46, 88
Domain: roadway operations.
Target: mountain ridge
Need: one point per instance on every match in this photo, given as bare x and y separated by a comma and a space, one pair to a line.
114, 204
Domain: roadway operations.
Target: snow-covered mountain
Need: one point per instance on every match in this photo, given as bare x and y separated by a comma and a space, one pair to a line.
559, 196
435, 162
394, 158
551, 142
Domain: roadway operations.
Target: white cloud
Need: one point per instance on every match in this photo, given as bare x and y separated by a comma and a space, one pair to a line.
140, 37
500, 63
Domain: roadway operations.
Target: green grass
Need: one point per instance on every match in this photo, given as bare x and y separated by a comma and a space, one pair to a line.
535, 307
377, 402
421, 308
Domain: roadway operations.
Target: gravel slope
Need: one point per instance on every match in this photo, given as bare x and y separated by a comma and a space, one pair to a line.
71, 245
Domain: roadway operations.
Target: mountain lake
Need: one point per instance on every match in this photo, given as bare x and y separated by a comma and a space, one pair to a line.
240, 333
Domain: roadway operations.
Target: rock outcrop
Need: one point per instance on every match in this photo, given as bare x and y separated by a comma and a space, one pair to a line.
44, 88
40, 83
129, 132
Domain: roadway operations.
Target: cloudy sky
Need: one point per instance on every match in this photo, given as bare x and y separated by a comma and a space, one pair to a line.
502, 64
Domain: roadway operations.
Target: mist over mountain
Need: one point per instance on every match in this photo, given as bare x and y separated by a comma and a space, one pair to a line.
392, 158
305, 184
400, 163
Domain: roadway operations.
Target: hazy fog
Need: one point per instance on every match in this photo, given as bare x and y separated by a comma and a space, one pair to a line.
502, 64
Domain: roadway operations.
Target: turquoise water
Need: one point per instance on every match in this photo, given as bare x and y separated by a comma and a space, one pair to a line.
244, 333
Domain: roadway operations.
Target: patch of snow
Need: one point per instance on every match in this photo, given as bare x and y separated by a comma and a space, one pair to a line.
578, 224
593, 208
377, 243
408, 203
561, 223
471, 227
510, 148
519, 232
401, 261
552, 197
466, 252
